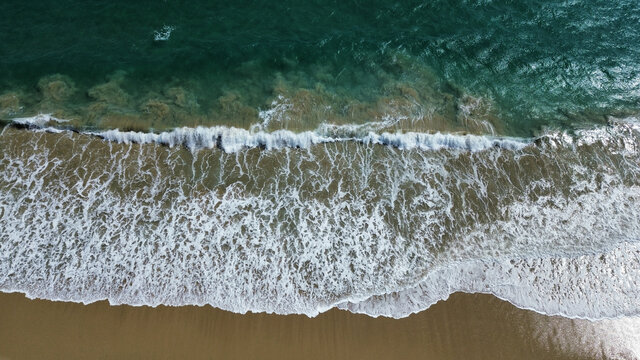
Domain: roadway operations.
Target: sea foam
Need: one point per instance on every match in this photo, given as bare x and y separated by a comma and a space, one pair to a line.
551, 225
163, 34
231, 139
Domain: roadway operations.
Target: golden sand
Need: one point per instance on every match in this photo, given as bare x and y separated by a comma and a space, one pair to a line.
463, 327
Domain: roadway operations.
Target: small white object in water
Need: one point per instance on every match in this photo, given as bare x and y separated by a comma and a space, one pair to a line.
163, 34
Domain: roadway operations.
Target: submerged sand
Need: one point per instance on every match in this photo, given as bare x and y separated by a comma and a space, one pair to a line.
466, 326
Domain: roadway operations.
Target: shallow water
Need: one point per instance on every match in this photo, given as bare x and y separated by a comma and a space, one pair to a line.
300, 230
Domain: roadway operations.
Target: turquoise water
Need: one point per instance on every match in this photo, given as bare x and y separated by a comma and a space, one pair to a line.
532, 64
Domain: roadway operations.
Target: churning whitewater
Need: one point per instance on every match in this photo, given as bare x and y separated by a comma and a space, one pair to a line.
231, 139
284, 222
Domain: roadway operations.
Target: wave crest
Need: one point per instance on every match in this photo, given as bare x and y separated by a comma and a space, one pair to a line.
232, 139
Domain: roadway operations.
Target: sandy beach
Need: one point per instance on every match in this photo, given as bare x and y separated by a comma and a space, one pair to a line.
465, 326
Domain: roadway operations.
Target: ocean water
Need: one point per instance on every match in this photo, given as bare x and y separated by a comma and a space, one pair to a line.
293, 157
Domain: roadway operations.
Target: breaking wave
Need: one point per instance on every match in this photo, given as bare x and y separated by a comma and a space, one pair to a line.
231, 139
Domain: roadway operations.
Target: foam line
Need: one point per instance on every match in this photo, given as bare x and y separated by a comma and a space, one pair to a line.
231, 139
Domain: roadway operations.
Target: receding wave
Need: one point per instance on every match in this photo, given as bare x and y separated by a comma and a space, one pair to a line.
551, 224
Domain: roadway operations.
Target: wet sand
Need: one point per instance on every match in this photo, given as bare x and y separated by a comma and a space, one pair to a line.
465, 326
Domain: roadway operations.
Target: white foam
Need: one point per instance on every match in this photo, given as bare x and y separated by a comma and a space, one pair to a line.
227, 138
163, 34
554, 226
602, 285
232, 139
40, 120
439, 141
277, 113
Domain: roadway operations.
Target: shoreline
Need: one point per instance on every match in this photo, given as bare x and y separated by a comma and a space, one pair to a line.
464, 326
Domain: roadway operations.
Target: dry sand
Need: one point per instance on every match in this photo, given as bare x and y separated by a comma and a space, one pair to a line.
464, 327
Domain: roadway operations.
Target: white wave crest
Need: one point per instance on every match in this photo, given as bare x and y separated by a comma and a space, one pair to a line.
231, 139
40, 120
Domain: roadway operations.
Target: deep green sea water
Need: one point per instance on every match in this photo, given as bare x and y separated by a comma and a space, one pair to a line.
521, 65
